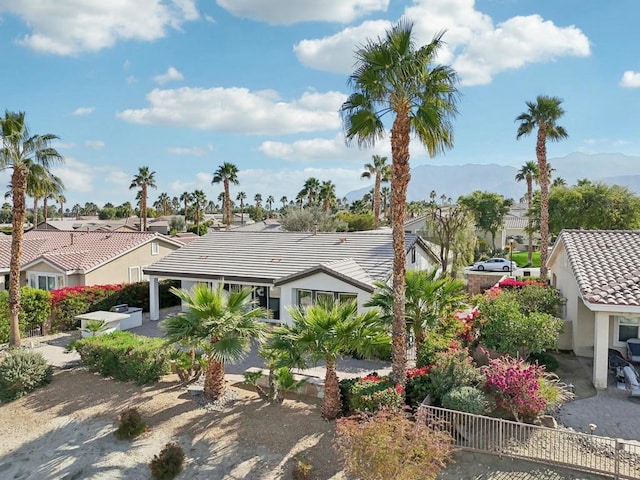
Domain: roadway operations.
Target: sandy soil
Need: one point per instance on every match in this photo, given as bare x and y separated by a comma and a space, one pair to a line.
65, 431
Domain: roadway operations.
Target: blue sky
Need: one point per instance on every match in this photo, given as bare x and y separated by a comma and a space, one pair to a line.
184, 85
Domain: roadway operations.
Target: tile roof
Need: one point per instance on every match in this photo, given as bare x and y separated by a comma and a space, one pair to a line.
269, 256
515, 222
75, 251
606, 264
347, 270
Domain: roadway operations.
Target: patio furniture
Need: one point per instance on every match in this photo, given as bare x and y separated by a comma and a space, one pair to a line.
633, 349
631, 381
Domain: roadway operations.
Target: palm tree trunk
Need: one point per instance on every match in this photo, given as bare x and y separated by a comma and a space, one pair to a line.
227, 204
214, 379
44, 210
399, 181
541, 153
242, 212
143, 209
19, 183
35, 213
376, 201
331, 403
529, 233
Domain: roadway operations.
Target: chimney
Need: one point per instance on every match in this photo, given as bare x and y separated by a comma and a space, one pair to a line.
315, 228
71, 238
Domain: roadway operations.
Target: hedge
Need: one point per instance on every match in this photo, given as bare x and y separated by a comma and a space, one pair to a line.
34, 311
125, 356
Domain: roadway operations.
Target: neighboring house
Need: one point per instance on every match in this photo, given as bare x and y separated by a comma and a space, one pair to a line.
598, 272
287, 268
131, 224
268, 225
55, 259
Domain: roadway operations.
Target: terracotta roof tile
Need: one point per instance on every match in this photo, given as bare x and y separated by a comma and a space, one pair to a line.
606, 264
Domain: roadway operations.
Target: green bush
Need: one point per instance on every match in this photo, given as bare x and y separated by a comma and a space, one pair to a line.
538, 298
130, 425
345, 386
168, 464
125, 356
466, 399
199, 230
35, 309
545, 359
434, 343
357, 222
372, 393
451, 369
21, 372
418, 385
302, 470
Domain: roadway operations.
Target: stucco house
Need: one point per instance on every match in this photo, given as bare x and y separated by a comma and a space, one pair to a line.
598, 272
287, 268
54, 259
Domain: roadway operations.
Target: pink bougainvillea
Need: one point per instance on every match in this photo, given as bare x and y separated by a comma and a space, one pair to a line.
515, 387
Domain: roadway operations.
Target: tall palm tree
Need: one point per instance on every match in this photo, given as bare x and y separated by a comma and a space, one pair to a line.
429, 297
326, 331
385, 197
559, 182
61, 199
543, 115
36, 185
528, 172
393, 76
284, 201
327, 195
163, 204
186, 199
53, 187
241, 197
381, 172
311, 189
222, 323
199, 201
143, 180
19, 148
269, 203
226, 173
258, 199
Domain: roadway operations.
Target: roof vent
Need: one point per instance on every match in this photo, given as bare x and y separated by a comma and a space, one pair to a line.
343, 239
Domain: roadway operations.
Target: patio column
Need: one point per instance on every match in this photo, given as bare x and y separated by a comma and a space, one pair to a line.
154, 300
600, 350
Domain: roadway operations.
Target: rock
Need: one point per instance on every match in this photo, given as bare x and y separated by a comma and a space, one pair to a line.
547, 421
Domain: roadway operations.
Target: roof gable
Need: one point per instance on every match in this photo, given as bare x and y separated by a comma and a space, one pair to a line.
346, 270
605, 264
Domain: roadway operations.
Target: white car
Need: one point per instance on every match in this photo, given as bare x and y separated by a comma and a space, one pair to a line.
496, 265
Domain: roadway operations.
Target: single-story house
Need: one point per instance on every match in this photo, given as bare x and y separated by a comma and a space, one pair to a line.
54, 259
598, 272
288, 268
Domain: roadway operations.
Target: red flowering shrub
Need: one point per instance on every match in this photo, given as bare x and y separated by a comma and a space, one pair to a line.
513, 283
514, 385
68, 302
417, 385
372, 393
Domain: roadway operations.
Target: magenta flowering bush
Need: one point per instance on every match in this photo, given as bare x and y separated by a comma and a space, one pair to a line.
515, 387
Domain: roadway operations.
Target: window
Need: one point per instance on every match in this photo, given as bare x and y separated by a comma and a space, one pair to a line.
45, 281
305, 298
347, 297
627, 327
134, 274
155, 248
324, 296
413, 255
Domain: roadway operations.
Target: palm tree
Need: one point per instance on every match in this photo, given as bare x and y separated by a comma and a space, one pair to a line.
284, 201
310, 189
53, 188
163, 204
241, 197
327, 195
36, 185
186, 199
559, 182
269, 202
258, 199
428, 298
393, 76
19, 148
226, 173
543, 115
143, 180
326, 331
385, 197
199, 201
222, 323
529, 173
381, 172
61, 199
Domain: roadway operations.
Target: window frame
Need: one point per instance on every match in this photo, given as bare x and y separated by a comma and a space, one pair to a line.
616, 331
155, 248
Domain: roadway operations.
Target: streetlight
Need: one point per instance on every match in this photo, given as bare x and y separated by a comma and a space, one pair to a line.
512, 242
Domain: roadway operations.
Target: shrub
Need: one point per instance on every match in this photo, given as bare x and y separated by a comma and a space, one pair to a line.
371, 393
389, 445
466, 399
35, 309
534, 297
345, 386
130, 425
417, 386
434, 343
21, 372
168, 464
546, 360
199, 230
554, 392
302, 469
451, 369
357, 222
125, 356
514, 385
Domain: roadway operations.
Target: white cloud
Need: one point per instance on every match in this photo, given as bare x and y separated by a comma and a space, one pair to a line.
95, 144
314, 149
81, 111
195, 151
630, 79
475, 47
286, 12
76, 175
58, 145
171, 75
131, 79
69, 27
238, 110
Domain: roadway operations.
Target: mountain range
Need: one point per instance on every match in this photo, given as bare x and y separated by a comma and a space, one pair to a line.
456, 180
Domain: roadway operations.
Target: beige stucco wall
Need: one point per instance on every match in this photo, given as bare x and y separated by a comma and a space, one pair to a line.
43, 267
117, 271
